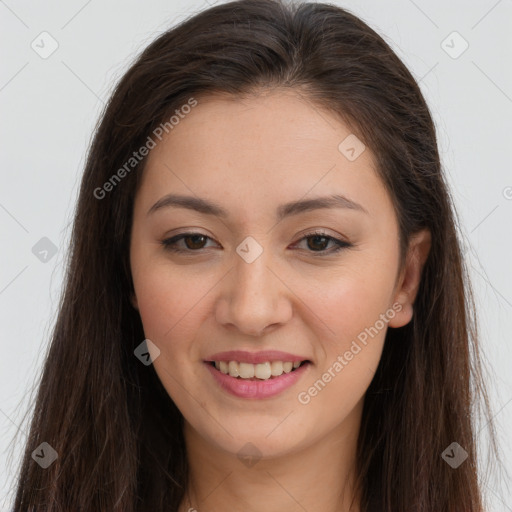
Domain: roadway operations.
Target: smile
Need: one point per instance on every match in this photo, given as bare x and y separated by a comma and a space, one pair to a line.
228, 377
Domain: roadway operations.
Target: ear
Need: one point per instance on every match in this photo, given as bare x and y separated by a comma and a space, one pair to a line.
133, 300
410, 277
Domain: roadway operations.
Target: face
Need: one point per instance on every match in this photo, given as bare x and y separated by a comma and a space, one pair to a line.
251, 263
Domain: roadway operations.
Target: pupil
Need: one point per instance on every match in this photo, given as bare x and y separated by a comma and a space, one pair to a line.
196, 239
317, 238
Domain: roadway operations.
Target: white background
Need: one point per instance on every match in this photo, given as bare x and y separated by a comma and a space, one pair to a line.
49, 108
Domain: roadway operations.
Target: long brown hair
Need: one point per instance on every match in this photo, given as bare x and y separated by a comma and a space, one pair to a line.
117, 433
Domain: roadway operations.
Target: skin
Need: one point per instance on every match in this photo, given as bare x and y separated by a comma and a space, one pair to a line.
250, 156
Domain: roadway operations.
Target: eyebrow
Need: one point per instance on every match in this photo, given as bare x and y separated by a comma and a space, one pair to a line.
293, 208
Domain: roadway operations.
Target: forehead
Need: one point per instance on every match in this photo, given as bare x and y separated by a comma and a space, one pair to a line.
280, 124
272, 146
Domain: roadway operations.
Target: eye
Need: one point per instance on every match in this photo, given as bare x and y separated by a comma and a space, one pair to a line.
318, 242
193, 242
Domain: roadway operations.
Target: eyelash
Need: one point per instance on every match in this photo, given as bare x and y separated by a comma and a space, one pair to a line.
170, 243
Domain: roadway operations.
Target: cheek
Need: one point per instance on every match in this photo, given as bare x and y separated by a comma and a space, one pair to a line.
171, 311
350, 304
167, 295
351, 355
356, 311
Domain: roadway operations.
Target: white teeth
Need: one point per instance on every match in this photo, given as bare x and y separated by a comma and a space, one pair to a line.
246, 370
233, 369
223, 366
261, 371
277, 368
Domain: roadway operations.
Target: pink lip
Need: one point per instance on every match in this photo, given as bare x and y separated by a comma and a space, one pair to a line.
243, 388
255, 357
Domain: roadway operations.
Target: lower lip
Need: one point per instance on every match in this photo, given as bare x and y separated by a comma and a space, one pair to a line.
244, 388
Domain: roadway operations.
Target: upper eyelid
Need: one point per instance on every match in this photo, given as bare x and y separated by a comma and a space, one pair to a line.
181, 236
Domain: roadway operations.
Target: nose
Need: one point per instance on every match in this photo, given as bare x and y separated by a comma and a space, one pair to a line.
254, 299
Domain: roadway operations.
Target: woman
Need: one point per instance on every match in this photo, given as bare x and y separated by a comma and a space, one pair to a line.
266, 306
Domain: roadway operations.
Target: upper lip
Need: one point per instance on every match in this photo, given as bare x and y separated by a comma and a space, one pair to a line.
243, 356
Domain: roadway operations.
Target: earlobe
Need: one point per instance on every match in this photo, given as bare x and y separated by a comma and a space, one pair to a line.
133, 300
410, 278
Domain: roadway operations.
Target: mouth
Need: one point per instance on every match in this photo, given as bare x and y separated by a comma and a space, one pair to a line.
268, 370
257, 381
